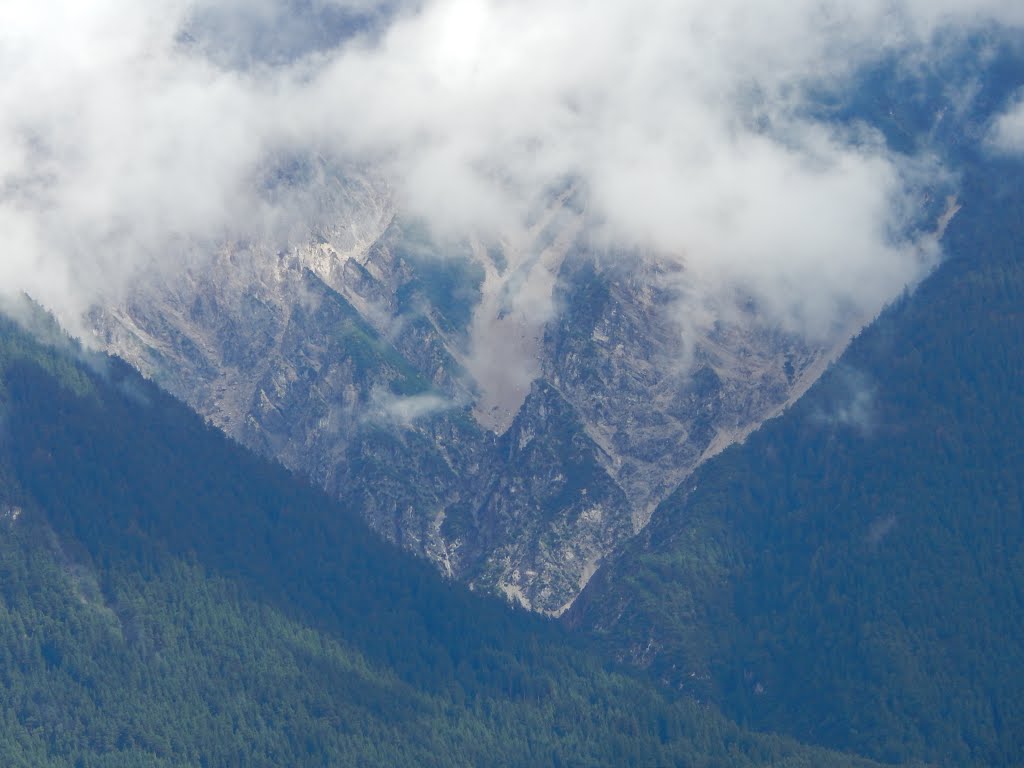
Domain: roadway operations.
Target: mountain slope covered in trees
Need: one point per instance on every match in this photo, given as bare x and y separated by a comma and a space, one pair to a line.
167, 598
854, 573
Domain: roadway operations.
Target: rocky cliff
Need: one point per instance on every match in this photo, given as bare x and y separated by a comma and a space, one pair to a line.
511, 410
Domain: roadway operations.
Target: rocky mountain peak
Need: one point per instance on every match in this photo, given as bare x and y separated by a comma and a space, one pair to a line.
511, 411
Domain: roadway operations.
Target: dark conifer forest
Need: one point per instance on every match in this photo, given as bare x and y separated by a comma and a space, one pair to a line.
167, 598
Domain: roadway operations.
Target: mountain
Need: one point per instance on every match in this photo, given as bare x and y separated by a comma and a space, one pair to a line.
394, 374
452, 314
168, 598
422, 378
853, 574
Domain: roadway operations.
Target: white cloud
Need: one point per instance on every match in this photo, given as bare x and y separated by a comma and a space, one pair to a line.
123, 144
406, 410
1007, 131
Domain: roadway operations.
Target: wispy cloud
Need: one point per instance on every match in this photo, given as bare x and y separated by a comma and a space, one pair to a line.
1007, 131
852, 402
388, 407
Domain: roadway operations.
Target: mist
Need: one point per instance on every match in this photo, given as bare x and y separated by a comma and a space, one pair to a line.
1007, 132
134, 138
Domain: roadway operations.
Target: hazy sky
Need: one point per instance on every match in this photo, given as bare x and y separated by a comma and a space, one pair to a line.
131, 132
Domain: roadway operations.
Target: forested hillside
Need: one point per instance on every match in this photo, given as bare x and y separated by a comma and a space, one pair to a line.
166, 598
854, 573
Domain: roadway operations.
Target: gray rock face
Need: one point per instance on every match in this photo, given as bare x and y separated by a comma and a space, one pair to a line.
659, 392
550, 512
395, 376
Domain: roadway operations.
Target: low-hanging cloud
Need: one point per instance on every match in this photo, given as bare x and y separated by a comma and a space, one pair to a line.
390, 408
1007, 131
133, 134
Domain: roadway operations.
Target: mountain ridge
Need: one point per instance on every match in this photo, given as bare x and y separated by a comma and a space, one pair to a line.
852, 572
249, 362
